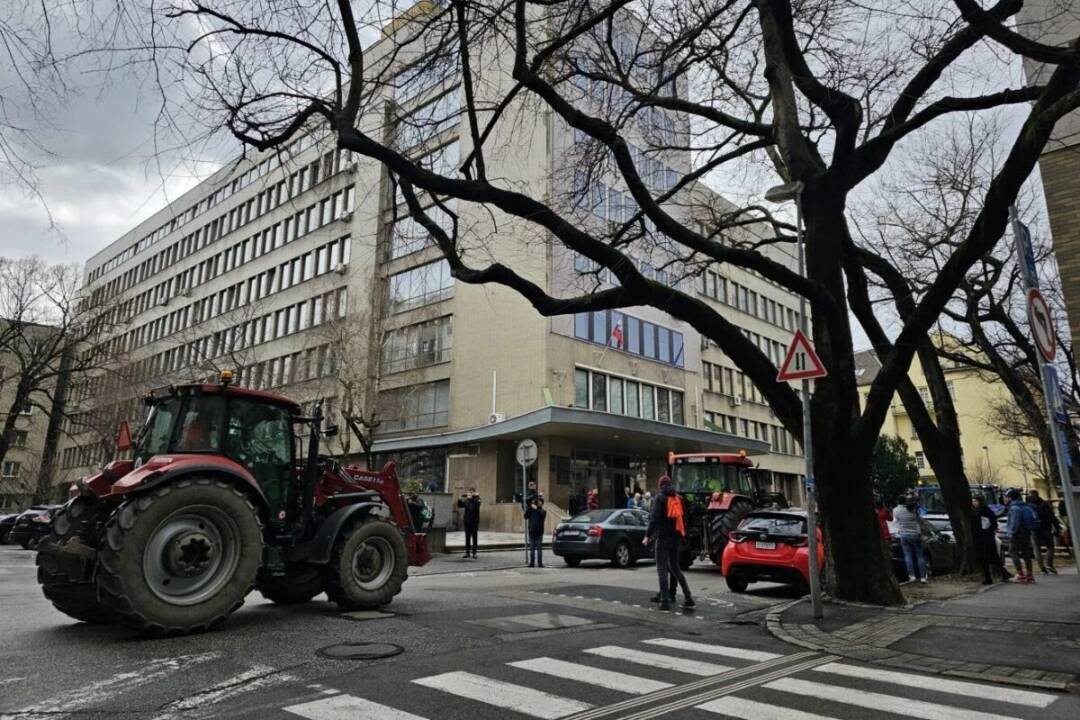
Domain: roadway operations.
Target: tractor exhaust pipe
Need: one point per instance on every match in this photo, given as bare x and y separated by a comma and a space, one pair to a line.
311, 473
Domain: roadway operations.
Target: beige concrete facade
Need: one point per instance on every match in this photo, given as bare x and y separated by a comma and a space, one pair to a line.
486, 370
20, 466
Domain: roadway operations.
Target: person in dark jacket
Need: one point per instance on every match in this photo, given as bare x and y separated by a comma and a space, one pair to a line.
664, 530
470, 505
1049, 526
535, 515
416, 512
983, 531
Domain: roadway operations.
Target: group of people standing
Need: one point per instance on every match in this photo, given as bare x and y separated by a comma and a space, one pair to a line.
1031, 528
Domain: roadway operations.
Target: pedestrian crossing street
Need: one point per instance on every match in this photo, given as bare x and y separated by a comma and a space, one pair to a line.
666, 677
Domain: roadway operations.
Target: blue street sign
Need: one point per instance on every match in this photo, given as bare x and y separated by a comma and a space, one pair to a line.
1027, 256
1053, 395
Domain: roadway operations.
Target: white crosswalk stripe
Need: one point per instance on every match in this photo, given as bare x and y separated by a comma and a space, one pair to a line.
1014, 696
505, 695
663, 662
599, 677
708, 649
347, 707
879, 702
743, 709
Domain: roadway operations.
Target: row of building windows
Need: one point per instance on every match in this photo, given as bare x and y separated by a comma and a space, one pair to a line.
297, 367
421, 285
299, 269
437, 67
742, 298
618, 330
441, 161
295, 318
415, 407
779, 439
730, 382
17, 438
585, 266
658, 176
622, 396
220, 195
418, 345
427, 122
615, 101
309, 219
246, 212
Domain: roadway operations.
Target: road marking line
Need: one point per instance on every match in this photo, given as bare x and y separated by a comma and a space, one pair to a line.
940, 684
741, 654
622, 682
348, 707
656, 660
119, 683
257, 677
506, 695
752, 710
879, 702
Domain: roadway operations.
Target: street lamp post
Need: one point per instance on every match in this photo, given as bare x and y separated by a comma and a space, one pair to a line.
778, 194
989, 472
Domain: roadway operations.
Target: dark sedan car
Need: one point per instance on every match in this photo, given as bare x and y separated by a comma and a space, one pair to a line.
614, 535
942, 556
7, 521
32, 525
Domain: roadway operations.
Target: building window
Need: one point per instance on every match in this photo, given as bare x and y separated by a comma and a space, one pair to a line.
18, 438
607, 393
415, 407
581, 388
599, 392
10, 469
920, 459
420, 345
630, 334
408, 236
421, 285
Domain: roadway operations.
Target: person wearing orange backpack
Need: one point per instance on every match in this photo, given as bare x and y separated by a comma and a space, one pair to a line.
668, 528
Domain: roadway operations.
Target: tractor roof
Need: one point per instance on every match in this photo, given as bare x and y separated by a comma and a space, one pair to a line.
218, 388
724, 458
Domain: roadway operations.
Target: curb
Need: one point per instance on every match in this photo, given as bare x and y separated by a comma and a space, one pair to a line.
812, 638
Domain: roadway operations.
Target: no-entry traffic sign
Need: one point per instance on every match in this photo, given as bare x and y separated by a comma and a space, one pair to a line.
801, 362
1042, 324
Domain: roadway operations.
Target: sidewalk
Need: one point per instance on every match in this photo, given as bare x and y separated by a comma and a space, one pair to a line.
489, 541
1024, 635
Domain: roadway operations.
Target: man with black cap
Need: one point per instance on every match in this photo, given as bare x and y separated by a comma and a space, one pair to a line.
667, 529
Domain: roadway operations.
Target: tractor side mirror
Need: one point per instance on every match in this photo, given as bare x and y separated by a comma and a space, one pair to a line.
123, 437
330, 431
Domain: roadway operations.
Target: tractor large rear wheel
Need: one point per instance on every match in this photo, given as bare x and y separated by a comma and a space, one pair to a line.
299, 584
368, 566
180, 558
722, 522
65, 560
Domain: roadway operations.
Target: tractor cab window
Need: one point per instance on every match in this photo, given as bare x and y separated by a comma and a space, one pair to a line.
201, 421
155, 434
260, 438
710, 477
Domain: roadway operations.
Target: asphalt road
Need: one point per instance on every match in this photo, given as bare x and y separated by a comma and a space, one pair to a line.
470, 640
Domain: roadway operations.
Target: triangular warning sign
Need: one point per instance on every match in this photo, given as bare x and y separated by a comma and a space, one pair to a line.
801, 362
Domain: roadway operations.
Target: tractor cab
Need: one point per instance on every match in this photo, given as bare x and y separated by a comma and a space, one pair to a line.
251, 428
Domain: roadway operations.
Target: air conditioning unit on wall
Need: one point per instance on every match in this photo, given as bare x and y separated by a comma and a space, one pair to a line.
496, 417
735, 400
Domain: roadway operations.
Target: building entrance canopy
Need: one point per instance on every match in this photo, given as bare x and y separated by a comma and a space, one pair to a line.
585, 426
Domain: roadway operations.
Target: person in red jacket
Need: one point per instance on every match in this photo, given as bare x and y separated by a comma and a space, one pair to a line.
593, 503
884, 516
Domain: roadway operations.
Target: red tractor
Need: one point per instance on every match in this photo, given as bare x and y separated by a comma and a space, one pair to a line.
717, 489
219, 497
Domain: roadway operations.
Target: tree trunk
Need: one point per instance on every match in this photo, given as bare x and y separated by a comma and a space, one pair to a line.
22, 396
45, 490
859, 568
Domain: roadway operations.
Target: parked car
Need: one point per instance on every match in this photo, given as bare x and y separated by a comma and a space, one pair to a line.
32, 525
945, 528
616, 535
7, 521
770, 546
940, 550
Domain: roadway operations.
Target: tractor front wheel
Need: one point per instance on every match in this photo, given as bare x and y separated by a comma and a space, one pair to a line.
64, 559
722, 522
299, 584
181, 557
368, 566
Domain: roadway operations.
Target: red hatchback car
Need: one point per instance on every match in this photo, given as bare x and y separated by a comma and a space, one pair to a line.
769, 546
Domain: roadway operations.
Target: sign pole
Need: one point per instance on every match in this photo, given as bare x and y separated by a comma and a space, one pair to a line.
808, 441
1026, 257
526, 456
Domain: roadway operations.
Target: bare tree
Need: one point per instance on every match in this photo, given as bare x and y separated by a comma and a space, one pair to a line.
49, 336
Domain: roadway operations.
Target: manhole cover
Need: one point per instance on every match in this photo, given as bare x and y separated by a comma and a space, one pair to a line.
361, 651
